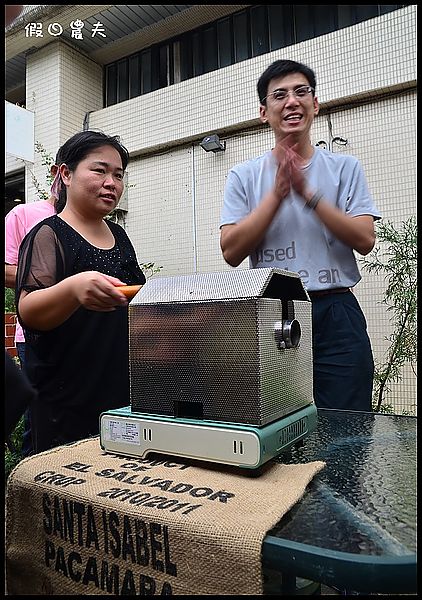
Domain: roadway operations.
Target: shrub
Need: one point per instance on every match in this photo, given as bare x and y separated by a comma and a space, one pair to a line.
13, 453
396, 259
9, 300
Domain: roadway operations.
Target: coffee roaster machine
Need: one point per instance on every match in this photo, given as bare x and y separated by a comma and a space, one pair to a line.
220, 369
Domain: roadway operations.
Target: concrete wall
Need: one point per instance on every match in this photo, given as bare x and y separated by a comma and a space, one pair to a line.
366, 80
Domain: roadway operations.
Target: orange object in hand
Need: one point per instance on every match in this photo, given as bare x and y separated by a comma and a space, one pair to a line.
129, 291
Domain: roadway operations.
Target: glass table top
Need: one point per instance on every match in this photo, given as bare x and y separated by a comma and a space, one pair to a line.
364, 500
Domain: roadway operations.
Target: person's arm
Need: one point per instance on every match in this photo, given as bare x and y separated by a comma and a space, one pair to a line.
356, 232
46, 297
14, 234
10, 275
47, 308
239, 240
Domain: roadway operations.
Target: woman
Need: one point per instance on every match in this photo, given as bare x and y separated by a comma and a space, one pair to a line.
68, 301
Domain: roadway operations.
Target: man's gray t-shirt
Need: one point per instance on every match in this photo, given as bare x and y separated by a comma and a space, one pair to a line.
296, 239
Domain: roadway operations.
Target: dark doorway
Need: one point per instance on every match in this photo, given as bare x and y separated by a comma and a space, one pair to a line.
14, 190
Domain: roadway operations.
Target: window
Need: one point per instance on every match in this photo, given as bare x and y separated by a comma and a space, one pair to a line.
134, 77
111, 89
259, 30
209, 49
198, 67
304, 22
224, 43
146, 83
325, 18
186, 58
177, 69
166, 72
122, 80
155, 68
363, 12
250, 32
344, 16
241, 37
281, 26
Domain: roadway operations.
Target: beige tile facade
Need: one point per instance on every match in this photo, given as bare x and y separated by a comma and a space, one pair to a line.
366, 78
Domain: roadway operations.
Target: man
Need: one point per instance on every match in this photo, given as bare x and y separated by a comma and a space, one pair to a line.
304, 209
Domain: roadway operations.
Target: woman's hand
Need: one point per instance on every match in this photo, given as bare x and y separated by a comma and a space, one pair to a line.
49, 307
96, 291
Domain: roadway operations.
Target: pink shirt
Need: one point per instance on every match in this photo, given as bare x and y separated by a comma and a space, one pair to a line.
19, 221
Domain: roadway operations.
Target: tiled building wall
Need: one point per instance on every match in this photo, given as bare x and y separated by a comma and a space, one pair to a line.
43, 98
62, 85
372, 55
160, 218
175, 188
381, 134
174, 206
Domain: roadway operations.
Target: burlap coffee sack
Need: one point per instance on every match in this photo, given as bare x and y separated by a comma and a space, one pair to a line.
79, 521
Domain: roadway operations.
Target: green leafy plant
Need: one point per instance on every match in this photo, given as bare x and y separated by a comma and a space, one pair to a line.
13, 453
47, 160
150, 269
9, 300
396, 258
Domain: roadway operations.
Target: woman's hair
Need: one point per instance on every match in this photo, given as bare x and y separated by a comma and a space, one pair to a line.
77, 148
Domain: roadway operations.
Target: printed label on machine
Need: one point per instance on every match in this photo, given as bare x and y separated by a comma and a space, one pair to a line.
122, 431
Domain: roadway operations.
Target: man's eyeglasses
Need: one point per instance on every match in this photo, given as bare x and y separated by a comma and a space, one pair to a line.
300, 93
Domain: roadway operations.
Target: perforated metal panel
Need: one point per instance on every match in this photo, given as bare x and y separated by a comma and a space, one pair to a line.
242, 283
218, 359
